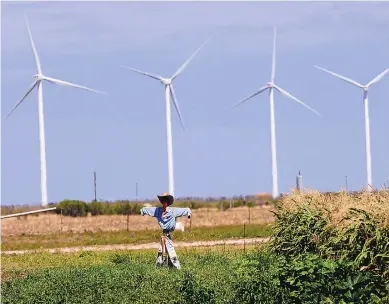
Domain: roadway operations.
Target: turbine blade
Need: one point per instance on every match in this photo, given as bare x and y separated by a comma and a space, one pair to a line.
38, 63
157, 77
251, 96
185, 64
378, 77
32, 86
294, 98
69, 84
341, 77
175, 102
273, 69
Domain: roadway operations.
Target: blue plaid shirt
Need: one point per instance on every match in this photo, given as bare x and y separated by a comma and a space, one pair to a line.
168, 221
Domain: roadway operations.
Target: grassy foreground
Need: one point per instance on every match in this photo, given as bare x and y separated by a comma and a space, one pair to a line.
325, 249
58, 240
120, 277
19, 266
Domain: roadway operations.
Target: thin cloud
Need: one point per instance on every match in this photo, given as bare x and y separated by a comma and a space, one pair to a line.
69, 27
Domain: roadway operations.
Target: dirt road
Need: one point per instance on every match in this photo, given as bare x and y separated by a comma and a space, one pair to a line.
142, 246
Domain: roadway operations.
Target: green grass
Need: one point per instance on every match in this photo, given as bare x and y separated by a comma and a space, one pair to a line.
310, 260
18, 266
116, 277
58, 240
208, 276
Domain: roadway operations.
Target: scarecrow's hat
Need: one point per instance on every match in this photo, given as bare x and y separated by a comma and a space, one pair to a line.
165, 197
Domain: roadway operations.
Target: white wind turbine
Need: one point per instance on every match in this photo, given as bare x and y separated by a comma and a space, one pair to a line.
38, 82
271, 85
367, 121
170, 92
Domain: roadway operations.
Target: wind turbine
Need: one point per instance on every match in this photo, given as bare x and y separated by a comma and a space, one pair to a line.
271, 86
38, 82
170, 92
367, 120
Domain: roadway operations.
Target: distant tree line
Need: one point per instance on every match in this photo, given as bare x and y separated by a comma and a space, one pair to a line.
70, 207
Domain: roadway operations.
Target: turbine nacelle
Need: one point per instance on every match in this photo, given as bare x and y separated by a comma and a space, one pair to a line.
166, 81
38, 76
270, 85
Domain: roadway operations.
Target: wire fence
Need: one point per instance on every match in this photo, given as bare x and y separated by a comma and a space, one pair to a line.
47, 223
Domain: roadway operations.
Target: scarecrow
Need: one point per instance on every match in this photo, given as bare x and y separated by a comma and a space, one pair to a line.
166, 217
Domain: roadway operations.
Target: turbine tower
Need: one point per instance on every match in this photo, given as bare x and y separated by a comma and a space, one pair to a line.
170, 92
367, 120
271, 86
38, 83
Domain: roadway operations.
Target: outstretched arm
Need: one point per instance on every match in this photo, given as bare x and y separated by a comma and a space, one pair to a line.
151, 211
182, 212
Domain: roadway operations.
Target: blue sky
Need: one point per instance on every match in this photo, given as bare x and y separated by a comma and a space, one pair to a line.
224, 151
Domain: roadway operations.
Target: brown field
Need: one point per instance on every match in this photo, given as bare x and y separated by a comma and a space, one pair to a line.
203, 217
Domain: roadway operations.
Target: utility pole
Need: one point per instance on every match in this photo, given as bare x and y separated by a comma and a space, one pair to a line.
94, 179
136, 191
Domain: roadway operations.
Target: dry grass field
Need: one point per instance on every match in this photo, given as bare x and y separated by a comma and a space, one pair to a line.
338, 204
203, 217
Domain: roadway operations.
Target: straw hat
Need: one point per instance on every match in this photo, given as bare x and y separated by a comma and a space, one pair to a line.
166, 197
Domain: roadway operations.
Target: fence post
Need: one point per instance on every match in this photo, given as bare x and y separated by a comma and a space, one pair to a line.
128, 220
61, 221
244, 238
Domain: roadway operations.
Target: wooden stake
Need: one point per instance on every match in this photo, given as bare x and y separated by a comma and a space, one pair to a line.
244, 238
61, 221
128, 220
163, 248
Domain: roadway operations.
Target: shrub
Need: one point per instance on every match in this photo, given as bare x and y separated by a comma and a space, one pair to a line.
194, 205
184, 204
73, 208
251, 204
238, 203
310, 278
269, 278
96, 208
300, 231
122, 207
135, 209
223, 205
